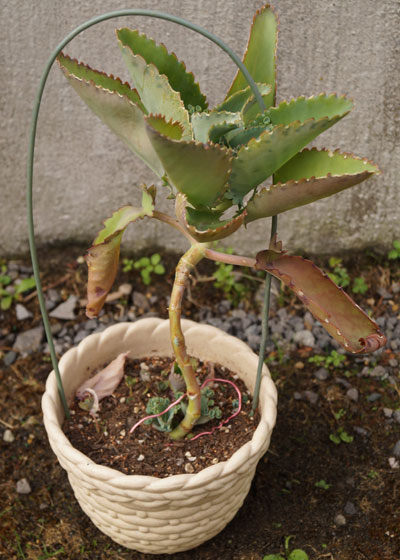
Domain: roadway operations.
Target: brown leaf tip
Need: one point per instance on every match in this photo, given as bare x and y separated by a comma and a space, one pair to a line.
372, 342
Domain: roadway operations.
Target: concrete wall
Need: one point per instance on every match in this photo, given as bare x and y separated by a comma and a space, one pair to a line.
82, 172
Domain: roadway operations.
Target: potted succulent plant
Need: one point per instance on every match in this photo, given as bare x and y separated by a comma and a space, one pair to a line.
212, 163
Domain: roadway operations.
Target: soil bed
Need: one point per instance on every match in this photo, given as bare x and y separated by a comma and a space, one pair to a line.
331, 477
148, 451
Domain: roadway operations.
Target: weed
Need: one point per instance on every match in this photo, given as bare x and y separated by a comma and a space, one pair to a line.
296, 554
359, 286
339, 273
226, 280
395, 252
10, 293
341, 436
373, 474
333, 359
146, 265
322, 484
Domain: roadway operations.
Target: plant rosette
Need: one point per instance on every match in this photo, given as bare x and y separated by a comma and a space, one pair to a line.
145, 513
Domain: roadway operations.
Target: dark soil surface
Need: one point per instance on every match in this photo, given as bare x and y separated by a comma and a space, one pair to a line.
330, 479
106, 438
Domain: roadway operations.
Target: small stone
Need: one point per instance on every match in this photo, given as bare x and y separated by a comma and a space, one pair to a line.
396, 415
352, 394
122, 433
396, 449
29, 341
388, 412
373, 397
215, 461
80, 335
378, 371
22, 313
140, 301
9, 358
393, 463
393, 362
140, 458
299, 365
340, 520
308, 320
361, 431
304, 338
297, 396
54, 296
311, 396
122, 400
321, 374
350, 509
125, 289
8, 436
145, 375
189, 468
23, 486
66, 310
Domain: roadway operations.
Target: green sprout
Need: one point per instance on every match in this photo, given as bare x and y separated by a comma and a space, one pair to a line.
149, 266
359, 286
13, 292
395, 252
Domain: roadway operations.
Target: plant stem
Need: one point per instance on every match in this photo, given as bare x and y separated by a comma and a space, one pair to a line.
229, 259
186, 264
162, 217
264, 326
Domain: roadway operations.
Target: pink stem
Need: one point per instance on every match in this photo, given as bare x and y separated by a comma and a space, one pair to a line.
156, 415
210, 380
230, 417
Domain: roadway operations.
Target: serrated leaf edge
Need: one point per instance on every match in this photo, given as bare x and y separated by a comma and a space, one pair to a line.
293, 100
369, 344
67, 73
259, 12
211, 234
180, 62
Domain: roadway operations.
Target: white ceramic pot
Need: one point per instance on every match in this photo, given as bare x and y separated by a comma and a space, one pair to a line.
144, 513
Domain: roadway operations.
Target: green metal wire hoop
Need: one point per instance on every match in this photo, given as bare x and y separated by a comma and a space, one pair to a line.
31, 154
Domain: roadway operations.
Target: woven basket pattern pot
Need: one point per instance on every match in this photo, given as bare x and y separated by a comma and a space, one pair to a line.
142, 512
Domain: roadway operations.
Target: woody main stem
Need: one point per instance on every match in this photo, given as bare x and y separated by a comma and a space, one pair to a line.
186, 264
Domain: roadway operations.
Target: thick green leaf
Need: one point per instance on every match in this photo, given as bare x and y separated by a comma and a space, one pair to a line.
200, 171
307, 177
72, 67
204, 225
171, 129
244, 100
260, 56
112, 102
315, 107
179, 79
203, 122
102, 258
265, 155
155, 91
337, 312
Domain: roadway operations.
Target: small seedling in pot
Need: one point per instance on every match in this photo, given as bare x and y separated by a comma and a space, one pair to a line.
213, 164
131, 382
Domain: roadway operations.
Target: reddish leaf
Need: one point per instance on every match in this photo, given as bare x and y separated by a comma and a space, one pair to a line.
344, 320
